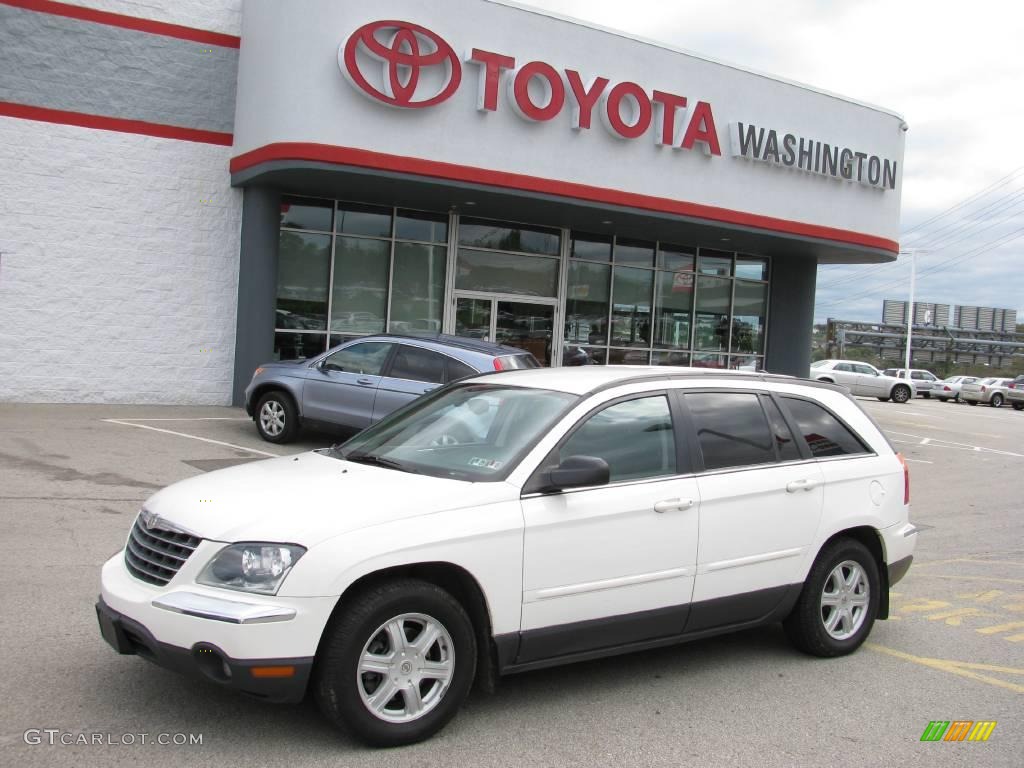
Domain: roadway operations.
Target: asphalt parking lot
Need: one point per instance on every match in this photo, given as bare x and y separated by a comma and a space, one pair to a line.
74, 477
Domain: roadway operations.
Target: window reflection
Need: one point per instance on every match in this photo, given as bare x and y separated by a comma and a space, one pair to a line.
417, 288
712, 318
586, 303
631, 308
303, 266
748, 323
674, 303
359, 299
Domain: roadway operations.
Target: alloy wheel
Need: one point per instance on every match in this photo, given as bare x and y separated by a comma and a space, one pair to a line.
405, 668
844, 600
272, 418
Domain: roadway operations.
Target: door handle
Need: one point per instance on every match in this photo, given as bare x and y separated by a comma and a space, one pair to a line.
801, 485
670, 505
365, 382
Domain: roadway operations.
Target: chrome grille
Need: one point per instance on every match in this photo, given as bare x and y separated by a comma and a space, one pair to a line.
155, 554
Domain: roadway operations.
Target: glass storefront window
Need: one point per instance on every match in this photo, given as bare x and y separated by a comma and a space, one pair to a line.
473, 318
716, 263
359, 298
750, 306
586, 303
416, 225
746, 362
708, 361
676, 258
631, 307
711, 324
496, 272
628, 357
303, 269
368, 220
417, 288
634, 252
592, 247
751, 268
673, 309
500, 236
669, 357
294, 346
595, 355
301, 213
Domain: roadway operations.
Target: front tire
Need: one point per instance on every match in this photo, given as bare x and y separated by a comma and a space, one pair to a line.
839, 601
1018, 406
277, 418
901, 393
996, 401
396, 663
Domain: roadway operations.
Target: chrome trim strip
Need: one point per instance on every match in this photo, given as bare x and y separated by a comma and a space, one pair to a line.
597, 586
722, 565
217, 609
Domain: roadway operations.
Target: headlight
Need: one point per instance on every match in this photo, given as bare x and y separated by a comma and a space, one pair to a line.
251, 567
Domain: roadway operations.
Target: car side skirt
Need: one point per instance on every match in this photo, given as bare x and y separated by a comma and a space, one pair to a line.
613, 635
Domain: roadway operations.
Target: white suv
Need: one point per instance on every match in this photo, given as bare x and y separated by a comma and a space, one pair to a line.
515, 521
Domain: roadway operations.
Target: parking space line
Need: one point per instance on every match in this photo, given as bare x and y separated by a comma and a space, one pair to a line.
918, 461
195, 418
192, 437
975, 578
941, 443
962, 668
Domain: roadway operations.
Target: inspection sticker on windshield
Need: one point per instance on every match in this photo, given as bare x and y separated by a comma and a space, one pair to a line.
485, 463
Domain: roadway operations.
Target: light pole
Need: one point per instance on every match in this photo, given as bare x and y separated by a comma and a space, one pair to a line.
912, 252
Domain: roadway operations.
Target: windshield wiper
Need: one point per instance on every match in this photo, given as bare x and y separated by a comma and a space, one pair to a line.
369, 458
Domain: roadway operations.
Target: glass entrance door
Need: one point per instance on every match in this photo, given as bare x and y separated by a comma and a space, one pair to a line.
523, 324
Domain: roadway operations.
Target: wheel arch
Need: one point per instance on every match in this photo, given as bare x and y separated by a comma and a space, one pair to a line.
452, 578
272, 386
872, 539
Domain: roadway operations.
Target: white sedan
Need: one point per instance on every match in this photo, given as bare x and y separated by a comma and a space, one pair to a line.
949, 389
863, 379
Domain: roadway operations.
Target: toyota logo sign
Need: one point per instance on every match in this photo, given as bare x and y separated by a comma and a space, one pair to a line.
419, 68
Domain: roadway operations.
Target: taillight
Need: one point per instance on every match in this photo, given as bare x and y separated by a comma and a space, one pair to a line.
497, 364
984, 388
906, 479
946, 389
1012, 386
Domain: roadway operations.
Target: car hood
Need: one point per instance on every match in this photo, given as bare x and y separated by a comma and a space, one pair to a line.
308, 498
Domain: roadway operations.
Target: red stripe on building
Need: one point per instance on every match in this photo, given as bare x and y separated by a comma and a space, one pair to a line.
118, 124
127, 22
362, 158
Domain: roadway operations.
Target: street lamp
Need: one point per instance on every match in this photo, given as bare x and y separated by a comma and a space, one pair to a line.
912, 252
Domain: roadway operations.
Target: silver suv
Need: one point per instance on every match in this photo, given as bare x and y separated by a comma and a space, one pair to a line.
360, 382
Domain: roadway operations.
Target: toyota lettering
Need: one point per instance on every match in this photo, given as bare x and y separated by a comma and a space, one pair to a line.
420, 69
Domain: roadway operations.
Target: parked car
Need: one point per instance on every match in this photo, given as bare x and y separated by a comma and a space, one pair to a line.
924, 381
990, 390
512, 522
863, 379
949, 388
358, 383
1015, 393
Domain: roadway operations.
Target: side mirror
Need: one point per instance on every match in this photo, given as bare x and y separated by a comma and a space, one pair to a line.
579, 472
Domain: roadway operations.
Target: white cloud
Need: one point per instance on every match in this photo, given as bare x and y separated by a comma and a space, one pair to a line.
954, 70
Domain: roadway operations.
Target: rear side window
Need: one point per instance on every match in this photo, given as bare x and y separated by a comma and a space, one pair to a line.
516, 362
731, 428
635, 437
824, 434
415, 364
457, 370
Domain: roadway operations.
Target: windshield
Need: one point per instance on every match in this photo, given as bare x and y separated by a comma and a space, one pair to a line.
820, 363
476, 432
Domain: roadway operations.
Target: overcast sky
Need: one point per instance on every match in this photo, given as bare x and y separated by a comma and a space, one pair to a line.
954, 70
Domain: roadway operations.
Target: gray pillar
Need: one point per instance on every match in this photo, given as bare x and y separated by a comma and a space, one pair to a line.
257, 285
791, 315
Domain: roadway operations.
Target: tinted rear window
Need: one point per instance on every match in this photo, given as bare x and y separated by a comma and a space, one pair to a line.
731, 428
824, 434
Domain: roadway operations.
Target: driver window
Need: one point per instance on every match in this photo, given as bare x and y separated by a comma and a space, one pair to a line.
865, 370
366, 359
635, 437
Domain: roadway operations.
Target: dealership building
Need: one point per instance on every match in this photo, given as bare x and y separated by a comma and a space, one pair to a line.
192, 188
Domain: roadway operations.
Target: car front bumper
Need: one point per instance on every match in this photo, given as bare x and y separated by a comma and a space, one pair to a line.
260, 645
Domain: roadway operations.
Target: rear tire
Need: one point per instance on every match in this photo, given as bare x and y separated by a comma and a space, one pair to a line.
427, 684
839, 601
277, 418
972, 402
943, 399
996, 401
901, 393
